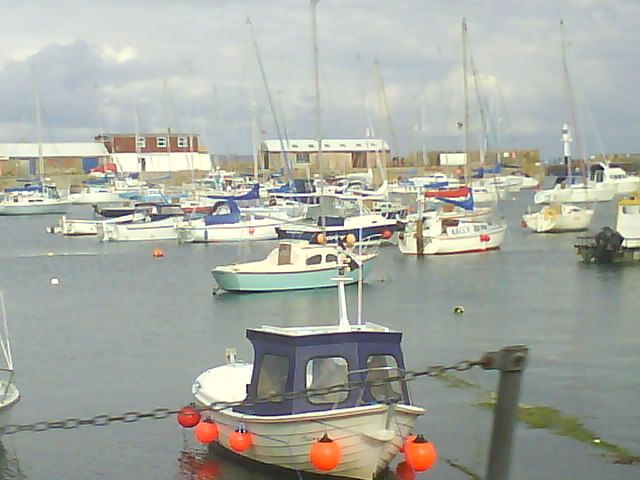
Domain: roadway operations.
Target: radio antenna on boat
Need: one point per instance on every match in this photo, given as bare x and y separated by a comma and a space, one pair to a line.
4, 336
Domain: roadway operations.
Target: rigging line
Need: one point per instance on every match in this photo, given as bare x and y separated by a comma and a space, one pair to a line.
4, 341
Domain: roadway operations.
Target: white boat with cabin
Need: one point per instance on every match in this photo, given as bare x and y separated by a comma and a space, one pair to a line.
368, 423
160, 224
37, 199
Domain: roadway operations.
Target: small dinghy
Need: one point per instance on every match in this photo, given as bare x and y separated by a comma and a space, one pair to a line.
293, 265
366, 424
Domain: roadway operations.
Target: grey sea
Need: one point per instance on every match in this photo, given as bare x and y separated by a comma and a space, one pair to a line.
126, 332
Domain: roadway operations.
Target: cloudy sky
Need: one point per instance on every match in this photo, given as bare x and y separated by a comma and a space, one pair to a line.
188, 65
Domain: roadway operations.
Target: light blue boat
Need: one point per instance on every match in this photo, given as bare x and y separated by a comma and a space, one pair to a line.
294, 265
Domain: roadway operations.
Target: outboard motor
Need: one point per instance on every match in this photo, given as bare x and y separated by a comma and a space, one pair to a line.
607, 241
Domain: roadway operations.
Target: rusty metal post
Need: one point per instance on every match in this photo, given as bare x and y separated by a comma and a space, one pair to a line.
511, 362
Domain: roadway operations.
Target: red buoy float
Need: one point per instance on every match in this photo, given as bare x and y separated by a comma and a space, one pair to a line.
157, 253
387, 234
325, 454
484, 237
240, 440
410, 438
188, 417
420, 453
206, 432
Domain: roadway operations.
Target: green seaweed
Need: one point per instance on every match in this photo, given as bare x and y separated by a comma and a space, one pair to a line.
455, 381
462, 468
552, 419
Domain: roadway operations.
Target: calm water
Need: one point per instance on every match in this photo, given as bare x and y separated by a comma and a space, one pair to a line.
124, 331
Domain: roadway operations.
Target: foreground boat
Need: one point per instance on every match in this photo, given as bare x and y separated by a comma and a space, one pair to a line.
559, 218
369, 424
294, 265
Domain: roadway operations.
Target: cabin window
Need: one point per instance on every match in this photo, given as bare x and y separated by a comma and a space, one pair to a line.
323, 372
381, 367
314, 260
330, 258
284, 254
272, 379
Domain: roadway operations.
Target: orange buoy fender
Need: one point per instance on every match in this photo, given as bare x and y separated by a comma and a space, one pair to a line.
188, 417
206, 432
325, 454
420, 454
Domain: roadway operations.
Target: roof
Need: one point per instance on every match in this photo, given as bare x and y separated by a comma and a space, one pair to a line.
66, 149
320, 329
158, 134
328, 145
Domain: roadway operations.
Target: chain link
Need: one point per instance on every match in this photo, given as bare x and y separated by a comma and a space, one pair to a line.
162, 413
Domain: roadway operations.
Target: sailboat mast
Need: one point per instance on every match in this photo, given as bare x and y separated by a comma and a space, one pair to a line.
385, 105
39, 136
283, 150
316, 78
571, 102
466, 98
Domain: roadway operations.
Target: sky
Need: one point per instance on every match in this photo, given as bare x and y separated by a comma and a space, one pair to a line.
189, 65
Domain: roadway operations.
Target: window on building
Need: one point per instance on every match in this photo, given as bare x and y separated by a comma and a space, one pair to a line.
314, 260
381, 367
161, 142
323, 372
302, 158
183, 142
294, 145
141, 142
272, 379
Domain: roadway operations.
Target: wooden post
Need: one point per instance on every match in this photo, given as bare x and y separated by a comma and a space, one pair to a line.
419, 237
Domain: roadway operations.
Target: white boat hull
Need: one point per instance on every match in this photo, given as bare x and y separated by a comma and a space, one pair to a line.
548, 221
197, 232
158, 230
575, 194
369, 436
94, 198
36, 207
444, 244
78, 228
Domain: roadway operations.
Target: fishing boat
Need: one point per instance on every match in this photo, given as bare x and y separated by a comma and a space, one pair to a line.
158, 224
9, 393
33, 199
369, 424
228, 224
432, 235
293, 265
615, 177
558, 218
619, 245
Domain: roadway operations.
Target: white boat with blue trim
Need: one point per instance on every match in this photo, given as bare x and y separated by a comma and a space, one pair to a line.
294, 265
368, 423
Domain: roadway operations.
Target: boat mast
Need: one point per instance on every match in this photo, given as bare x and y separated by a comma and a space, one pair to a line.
384, 105
283, 150
316, 78
466, 100
571, 103
39, 136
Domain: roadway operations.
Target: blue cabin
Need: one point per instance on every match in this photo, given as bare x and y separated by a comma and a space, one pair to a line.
295, 359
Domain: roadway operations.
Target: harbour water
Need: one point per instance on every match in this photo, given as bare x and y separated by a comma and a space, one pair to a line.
126, 332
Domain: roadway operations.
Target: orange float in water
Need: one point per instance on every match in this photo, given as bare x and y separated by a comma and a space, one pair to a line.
240, 440
325, 454
420, 454
188, 417
387, 234
206, 432
157, 253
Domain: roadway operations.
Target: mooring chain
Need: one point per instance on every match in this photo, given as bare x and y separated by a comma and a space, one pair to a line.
162, 413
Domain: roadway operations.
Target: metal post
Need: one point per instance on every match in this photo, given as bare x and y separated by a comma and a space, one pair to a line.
511, 362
